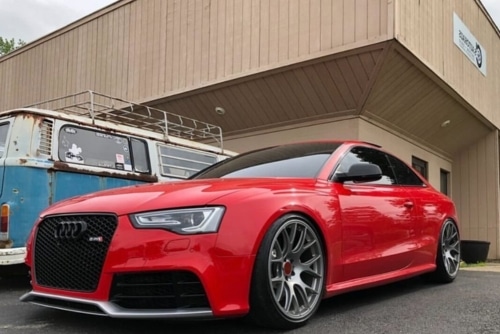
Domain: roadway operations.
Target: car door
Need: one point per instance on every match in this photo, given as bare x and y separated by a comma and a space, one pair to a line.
378, 225
426, 210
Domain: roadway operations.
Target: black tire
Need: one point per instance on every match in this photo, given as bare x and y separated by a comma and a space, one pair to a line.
448, 254
288, 276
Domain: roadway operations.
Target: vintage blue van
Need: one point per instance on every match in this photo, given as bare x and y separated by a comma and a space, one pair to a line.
87, 142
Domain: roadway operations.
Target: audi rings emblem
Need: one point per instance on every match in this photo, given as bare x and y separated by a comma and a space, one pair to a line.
70, 230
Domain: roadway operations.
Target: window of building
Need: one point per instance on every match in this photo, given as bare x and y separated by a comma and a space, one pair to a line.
420, 166
445, 181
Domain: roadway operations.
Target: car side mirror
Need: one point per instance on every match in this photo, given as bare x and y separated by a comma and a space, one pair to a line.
363, 172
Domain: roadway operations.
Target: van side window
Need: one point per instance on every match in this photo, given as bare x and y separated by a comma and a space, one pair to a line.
180, 162
94, 148
140, 155
3, 137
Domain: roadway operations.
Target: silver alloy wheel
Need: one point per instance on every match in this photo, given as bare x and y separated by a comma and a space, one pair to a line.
296, 269
450, 248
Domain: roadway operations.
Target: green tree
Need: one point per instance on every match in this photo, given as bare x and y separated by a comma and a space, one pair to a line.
7, 45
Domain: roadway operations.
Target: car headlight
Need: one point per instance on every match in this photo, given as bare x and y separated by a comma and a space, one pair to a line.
182, 221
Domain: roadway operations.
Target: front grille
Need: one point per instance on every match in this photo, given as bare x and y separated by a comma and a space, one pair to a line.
72, 262
158, 290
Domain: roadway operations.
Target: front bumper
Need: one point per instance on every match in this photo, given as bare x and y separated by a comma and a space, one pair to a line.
222, 276
106, 308
10, 256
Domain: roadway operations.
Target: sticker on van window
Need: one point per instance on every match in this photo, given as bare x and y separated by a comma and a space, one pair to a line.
120, 158
70, 130
74, 154
103, 135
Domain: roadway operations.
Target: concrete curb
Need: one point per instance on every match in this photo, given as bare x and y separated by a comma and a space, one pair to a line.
488, 266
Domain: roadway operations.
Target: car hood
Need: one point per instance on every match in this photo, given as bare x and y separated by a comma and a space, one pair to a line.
167, 195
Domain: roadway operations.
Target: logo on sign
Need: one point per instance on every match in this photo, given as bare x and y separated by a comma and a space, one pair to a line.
479, 56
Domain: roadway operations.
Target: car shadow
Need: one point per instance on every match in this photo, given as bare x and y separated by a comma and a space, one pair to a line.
352, 300
14, 278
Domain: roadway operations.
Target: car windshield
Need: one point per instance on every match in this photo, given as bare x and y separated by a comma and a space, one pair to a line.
298, 160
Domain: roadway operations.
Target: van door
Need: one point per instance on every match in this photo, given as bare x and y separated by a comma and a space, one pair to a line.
4, 130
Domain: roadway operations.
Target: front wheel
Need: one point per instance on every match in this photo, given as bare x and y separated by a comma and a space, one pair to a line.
288, 278
448, 254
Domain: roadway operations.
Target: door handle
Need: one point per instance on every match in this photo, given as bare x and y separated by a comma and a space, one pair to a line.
408, 204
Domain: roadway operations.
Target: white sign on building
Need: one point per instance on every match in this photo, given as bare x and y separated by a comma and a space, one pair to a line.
469, 45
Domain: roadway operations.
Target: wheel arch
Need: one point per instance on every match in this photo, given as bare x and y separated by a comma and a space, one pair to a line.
314, 223
301, 213
440, 227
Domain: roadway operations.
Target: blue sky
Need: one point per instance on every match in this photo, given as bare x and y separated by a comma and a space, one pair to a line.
31, 19
493, 8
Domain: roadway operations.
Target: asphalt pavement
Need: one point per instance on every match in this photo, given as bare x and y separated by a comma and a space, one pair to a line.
469, 305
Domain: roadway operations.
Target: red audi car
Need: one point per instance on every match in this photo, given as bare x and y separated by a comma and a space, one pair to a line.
267, 235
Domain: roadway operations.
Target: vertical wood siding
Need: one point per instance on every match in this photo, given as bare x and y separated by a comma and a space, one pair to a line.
425, 27
475, 190
147, 49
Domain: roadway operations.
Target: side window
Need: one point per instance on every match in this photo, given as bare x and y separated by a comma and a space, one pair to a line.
420, 166
181, 163
94, 148
368, 155
140, 155
3, 137
444, 177
404, 175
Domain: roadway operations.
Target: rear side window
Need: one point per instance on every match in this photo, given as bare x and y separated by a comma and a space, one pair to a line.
404, 175
181, 163
3, 137
100, 149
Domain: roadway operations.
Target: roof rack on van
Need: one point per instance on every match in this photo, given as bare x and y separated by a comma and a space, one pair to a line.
102, 107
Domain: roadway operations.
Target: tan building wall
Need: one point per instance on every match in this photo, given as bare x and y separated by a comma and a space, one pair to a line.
475, 190
425, 27
341, 129
141, 50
